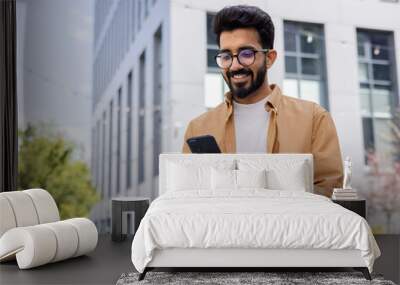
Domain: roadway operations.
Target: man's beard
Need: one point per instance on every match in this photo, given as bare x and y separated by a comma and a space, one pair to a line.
243, 92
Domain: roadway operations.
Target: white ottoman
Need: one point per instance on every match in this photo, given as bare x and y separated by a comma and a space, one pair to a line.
31, 232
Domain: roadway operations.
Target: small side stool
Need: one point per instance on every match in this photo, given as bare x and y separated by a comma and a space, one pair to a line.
139, 205
358, 206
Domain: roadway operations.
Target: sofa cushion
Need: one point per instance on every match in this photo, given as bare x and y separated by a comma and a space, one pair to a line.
7, 220
40, 244
45, 206
23, 208
26, 208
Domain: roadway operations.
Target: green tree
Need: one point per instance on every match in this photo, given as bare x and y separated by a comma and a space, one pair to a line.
45, 161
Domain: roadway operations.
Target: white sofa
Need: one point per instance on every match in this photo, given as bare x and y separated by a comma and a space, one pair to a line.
31, 231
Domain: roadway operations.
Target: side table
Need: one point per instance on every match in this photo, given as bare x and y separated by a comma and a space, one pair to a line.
138, 205
358, 206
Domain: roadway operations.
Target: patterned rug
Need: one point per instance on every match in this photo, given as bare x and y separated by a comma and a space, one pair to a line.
242, 278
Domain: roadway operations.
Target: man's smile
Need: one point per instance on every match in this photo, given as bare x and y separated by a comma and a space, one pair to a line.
240, 78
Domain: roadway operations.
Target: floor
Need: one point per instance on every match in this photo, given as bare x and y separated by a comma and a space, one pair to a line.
103, 266
389, 262
111, 259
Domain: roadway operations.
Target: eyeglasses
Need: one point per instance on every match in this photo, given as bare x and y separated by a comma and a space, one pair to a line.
245, 57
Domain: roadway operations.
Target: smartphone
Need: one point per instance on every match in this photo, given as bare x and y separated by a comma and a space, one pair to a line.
203, 144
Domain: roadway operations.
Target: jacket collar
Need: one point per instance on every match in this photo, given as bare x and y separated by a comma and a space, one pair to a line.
273, 100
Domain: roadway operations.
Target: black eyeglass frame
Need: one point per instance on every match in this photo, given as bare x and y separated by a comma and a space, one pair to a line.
218, 55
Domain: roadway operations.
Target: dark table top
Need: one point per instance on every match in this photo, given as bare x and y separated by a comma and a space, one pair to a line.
129, 199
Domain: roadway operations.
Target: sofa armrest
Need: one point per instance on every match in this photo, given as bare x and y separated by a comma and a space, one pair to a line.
40, 244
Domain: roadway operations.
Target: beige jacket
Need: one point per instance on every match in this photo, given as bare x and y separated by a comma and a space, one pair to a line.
295, 126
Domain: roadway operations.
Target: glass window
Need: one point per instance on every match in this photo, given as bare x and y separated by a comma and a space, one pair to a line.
305, 66
212, 46
139, 15
211, 37
379, 52
361, 50
291, 64
381, 99
377, 87
141, 149
110, 149
378, 39
309, 43
365, 97
119, 119
362, 39
214, 84
310, 66
291, 88
368, 133
129, 134
142, 92
383, 139
132, 19
363, 71
146, 8
290, 41
310, 90
211, 53
98, 155
157, 89
381, 71
103, 155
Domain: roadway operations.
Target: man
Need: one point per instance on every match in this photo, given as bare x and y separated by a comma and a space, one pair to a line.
256, 116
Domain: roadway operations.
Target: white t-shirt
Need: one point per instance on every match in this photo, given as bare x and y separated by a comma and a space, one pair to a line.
251, 127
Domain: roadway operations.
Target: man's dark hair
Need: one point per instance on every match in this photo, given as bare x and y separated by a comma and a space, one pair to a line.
243, 16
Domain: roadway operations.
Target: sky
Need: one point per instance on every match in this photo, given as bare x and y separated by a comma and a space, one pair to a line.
54, 42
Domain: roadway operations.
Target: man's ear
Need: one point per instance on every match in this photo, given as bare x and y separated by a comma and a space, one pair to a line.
271, 57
